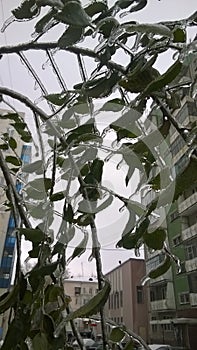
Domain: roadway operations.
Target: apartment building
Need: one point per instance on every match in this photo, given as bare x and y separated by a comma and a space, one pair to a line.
127, 303
7, 223
173, 296
81, 289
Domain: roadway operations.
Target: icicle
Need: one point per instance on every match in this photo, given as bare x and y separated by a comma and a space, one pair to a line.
36, 86
38, 100
8, 21
108, 157
114, 144
123, 14
45, 64
122, 208
118, 166
106, 131
137, 252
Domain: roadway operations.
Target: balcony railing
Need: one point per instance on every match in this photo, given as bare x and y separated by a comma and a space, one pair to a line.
191, 265
193, 299
189, 205
189, 232
164, 304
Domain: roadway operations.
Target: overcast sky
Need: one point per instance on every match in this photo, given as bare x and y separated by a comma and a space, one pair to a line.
14, 75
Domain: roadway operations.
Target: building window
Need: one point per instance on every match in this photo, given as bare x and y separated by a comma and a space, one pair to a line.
184, 298
121, 298
191, 251
76, 301
90, 291
174, 215
139, 294
176, 240
154, 328
77, 290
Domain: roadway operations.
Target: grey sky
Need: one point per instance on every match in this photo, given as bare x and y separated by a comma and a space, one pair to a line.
14, 75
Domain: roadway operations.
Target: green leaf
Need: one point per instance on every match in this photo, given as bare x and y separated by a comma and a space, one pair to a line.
34, 235
74, 14
158, 29
40, 342
68, 213
42, 25
163, 79
93, 305
161, 269
12, 143
13, 160
33, 167
41, 184
130, 240
95, 7
58, 99
27, 10
8, 299
179, 35
71, 36
115, 105
116, 335
58, 196
96, 169
80, 249
155, 240
4, 146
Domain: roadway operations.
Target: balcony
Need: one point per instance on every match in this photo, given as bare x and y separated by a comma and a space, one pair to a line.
191, 265
164, 304
189, 232
193, 299
188, 205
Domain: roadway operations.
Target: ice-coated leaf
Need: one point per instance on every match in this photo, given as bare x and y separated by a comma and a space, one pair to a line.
34, 235
41, 184
158, 29
163, 79
71, 36
80, 249
95, 7
115, 105
155, 240
161, 269
45, 21
74, 14
84, 206
27, 10
31, 168
93, 305
58, 99
129, 240
116, 335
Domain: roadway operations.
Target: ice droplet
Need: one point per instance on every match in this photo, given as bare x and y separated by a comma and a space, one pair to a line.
8, 21
106, 131
118, 166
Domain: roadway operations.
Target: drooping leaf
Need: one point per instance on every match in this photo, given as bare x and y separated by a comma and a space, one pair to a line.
40, 184
95, 7
33, 235
179, 35
71, 36
155, 240
130, 240
161, 269
74, 14
93, 305
27, 10
68, 213
115, 105
116, 335
80, 249
13, 160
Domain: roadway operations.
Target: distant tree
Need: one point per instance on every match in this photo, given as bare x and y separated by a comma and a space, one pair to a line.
76, 153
